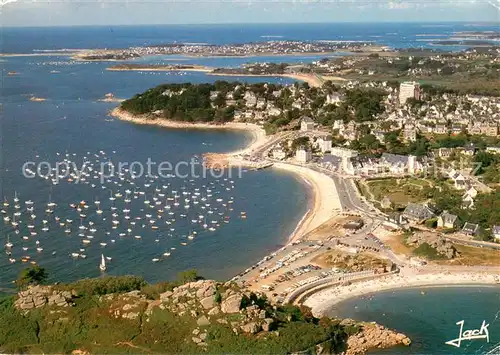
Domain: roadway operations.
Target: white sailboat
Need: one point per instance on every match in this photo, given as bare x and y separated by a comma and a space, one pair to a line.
102, 265
8, 244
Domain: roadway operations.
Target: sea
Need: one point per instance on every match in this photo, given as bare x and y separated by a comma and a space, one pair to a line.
429, 316
253, 212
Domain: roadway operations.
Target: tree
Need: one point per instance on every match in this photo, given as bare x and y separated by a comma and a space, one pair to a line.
485, 160
299, 142
34, 275
188, 276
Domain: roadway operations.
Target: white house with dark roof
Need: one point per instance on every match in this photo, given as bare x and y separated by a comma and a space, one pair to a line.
306, 124
400, 164
447, 220
417, 213
470, 228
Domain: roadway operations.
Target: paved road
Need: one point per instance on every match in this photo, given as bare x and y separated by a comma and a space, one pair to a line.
473, 243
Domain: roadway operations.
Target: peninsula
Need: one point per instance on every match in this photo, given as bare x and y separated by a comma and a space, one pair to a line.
269, 48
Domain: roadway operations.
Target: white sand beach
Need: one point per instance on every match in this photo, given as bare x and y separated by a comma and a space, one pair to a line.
324, 300
326, 203
311, 79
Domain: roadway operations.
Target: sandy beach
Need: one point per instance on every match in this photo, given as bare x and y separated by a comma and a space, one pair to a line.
311, 79
324, 300
325, 202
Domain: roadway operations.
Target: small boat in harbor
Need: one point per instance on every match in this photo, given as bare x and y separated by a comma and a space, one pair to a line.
102, 265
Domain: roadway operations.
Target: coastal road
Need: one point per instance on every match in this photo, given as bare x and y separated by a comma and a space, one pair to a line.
472, 243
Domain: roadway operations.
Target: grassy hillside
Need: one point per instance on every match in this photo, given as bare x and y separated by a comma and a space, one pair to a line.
126, 315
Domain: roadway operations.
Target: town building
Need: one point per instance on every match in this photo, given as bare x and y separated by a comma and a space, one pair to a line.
417, 213
303, 155
408, 90
334, 98
444, 152
493, 150
331, 162
410, 133
306, 124
495, 231
447, 220
279, 154
470, 228
343, 152
324, 143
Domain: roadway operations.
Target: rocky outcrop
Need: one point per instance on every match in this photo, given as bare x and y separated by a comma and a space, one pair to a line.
39, 296
232, 304
207, 303
442, 246
356, 263
373, 336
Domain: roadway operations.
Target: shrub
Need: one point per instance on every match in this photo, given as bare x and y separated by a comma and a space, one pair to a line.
105, 285
428, 252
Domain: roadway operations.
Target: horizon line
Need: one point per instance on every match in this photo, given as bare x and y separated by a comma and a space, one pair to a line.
472, 22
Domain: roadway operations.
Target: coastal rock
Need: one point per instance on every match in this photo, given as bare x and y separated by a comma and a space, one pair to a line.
232, 304
39, 296
267, 326
208, 302
251, 328
441, 245
131, 315
203, 321
373, 336
214, 311
165, 296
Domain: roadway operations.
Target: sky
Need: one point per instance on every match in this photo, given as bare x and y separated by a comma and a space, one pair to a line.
134, 12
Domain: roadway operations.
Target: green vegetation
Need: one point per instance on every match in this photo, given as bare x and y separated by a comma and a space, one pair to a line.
427, 252
91, 325
366, 103
31, 276
104, 285
399, 191
448, 74
183, 102
486, 210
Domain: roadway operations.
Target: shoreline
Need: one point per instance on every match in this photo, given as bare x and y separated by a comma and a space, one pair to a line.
254, 129
202, 69
325, 203
324, 200
326, 300
312, 79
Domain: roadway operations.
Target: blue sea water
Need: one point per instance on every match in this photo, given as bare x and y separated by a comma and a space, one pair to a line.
397, 35
428, 315
73, 121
